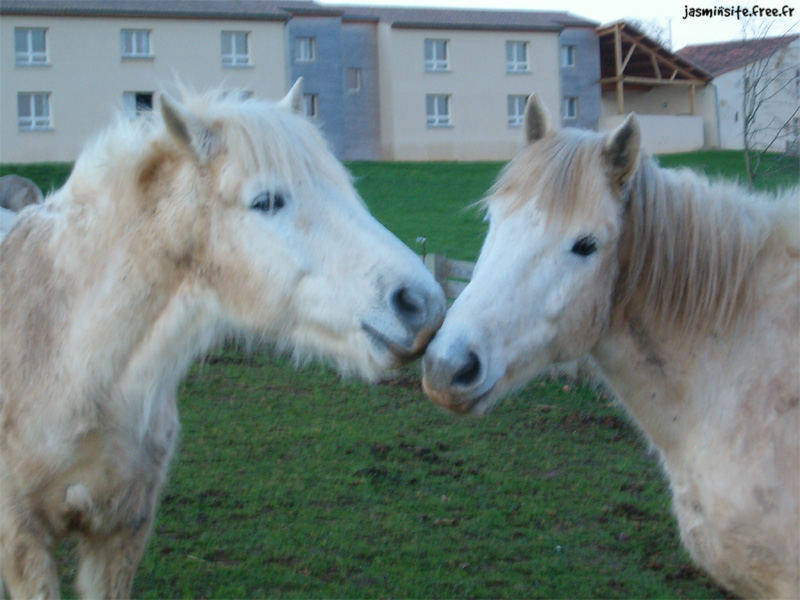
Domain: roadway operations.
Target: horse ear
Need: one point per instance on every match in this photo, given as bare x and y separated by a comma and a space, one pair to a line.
622, 150
537, 119
294, 99
188, 130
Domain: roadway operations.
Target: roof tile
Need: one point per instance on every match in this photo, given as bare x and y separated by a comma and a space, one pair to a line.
726, 56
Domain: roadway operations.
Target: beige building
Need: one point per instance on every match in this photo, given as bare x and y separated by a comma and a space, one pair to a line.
772, 64
58, 91
472, 88
407, 84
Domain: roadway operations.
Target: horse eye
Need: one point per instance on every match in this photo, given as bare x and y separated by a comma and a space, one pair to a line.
585, 246
262, 202
267, 202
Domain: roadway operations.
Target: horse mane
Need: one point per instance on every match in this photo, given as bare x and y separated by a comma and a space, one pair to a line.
688, 245
692, 245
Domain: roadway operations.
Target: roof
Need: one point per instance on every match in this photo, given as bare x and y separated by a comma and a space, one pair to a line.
283, 10
645, 62
726, 56
435, 18
191, 9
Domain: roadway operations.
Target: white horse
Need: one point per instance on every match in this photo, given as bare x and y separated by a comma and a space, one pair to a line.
18, 192
216, 218
685, 294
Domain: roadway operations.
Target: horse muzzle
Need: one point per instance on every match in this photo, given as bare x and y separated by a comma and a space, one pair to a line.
457, 378
408, 320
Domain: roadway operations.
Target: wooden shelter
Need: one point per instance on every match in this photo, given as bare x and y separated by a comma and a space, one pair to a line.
629, 59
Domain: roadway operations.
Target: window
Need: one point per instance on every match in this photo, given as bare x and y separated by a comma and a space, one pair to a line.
353, 80
30, 46
33, 111
135, 43
437, 109
306, 49
436, 55
516, 57
137, 103
516, 110
238, 95
234, 49
311, 105
570, 107
567, 56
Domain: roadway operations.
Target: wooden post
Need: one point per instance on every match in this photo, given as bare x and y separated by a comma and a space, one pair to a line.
618, 65
691, 99
437, 265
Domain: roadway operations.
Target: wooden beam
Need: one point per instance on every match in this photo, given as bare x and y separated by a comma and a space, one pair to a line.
628, 57
656, 70
653, 53
653, 81
618, 65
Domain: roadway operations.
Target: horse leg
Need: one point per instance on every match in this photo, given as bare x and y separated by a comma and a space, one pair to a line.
108, 563
27, 566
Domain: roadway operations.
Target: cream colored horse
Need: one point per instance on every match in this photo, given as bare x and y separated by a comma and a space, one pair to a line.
216, 218
687, 297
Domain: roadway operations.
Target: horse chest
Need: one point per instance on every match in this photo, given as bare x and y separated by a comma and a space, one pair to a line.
114, 477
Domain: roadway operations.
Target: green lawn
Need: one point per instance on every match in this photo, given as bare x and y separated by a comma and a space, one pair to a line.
776, 171
297, 483
48, 176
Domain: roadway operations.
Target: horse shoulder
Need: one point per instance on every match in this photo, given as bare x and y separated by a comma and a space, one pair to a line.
736, 477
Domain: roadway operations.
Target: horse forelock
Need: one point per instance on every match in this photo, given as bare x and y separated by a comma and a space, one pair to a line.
263, 138
133, 155
551, 173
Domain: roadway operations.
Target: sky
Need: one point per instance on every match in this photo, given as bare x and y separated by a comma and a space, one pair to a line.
664, 15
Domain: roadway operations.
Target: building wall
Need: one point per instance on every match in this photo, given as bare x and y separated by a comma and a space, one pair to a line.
661, 100
86, 75
323, 76
349, 119
662, 134
776, 119
581, 80
477, 83
86, 78
729, 107
362, 134
666, 101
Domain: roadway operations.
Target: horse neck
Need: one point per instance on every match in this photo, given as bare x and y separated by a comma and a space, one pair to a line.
688, 249
137, 312
687, 282
646, 372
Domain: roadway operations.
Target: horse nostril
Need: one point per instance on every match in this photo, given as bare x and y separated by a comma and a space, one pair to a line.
469, 371
408, 305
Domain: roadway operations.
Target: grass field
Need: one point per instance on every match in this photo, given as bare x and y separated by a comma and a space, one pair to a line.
296, 483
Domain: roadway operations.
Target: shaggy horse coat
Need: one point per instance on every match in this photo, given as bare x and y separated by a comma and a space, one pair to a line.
215, 219
687, 297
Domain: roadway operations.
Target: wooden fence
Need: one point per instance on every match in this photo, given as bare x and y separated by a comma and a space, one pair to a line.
452, 275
